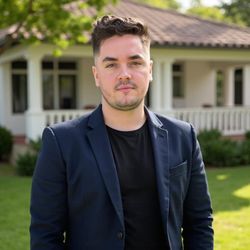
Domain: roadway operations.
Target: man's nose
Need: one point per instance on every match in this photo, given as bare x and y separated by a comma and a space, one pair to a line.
124, 73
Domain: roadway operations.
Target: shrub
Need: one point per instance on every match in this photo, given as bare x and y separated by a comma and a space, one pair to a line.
219, 151
6, 143
247, 135
26, 162
245, 152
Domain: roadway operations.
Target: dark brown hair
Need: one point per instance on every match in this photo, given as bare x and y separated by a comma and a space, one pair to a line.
108, 26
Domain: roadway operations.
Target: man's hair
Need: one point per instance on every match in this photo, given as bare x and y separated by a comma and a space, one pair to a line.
109, 26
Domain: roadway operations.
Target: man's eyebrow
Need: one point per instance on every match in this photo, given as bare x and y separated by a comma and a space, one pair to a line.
134, 57
109, 59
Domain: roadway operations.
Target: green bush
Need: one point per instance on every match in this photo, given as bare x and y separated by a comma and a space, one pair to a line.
247, 135
219, 151
25, 163
6, 143
245, 152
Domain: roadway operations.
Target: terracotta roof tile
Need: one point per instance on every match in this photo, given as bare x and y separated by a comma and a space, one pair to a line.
171, 28
174, 29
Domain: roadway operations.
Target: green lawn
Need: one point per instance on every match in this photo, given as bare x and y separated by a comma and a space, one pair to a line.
230, 191
14, 210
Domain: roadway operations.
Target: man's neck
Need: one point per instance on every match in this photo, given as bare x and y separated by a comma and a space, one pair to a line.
124, 120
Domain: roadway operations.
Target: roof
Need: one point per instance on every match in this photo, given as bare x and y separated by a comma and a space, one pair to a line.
170, 28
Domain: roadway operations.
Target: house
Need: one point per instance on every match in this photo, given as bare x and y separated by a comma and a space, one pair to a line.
201, 75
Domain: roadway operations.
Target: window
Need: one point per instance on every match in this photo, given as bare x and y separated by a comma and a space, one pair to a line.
178, 88
48, 91
238, 87
219, 88
19, 86
59, 84
67, 92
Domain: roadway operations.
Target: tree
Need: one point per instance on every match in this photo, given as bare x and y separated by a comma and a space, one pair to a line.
33, 21
238, 11
213, 13
164, 4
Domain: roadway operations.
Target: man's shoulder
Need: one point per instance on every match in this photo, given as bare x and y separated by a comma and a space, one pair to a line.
71, 124
171, 123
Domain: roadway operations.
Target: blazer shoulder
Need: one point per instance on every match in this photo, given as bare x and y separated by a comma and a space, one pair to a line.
171, 123
68, 128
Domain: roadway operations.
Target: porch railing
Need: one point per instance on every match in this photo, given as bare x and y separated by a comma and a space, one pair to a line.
55, 116
230, 121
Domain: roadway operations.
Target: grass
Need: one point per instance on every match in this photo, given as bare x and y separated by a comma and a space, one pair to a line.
229, 188
14, 210
230, 192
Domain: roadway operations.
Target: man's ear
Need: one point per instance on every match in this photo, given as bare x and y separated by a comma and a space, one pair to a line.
95, 74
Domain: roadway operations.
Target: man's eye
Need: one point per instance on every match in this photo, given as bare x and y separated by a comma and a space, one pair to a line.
136, 63
111, 65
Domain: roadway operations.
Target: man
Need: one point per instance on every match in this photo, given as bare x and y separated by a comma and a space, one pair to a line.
121, 177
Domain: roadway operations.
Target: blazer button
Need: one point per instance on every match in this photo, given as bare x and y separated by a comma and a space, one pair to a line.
120, 235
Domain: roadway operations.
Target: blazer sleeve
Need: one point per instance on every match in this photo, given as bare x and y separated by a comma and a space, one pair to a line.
197, 211
48, 197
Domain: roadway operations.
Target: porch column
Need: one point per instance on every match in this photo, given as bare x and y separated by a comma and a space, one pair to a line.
167, 85
229, 87
246, 85
155, 94
34, 116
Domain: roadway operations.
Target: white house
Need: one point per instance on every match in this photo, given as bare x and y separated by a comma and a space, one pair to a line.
201, 74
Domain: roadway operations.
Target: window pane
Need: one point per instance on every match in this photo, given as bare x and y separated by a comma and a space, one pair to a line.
47, 65
238, 87
67, 91
48, 91
19, 93
19, 65
177, 86
177, 67
67, 65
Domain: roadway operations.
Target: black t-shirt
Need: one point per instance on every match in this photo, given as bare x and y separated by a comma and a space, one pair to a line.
132, 151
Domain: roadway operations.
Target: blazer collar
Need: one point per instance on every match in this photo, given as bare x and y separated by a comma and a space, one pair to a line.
100, 144
101, 148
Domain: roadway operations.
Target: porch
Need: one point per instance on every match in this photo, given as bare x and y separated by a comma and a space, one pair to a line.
229, 120
208, 89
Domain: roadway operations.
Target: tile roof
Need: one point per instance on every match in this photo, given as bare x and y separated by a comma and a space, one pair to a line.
170, 28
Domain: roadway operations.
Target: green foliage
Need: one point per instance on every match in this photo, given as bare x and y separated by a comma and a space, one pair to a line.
164, 4
247, 135
213, 13
50, 21
238, 11
25, 163
6, 143
220, 151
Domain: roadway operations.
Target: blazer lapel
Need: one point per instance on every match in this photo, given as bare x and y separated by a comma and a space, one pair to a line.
159, 137
99, 142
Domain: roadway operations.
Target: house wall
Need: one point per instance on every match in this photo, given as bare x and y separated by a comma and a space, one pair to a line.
200, 84
88, 93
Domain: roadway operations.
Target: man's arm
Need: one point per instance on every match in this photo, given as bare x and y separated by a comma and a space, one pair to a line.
197, 221
48, 197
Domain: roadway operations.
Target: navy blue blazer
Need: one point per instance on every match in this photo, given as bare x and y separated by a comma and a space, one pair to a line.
75, 187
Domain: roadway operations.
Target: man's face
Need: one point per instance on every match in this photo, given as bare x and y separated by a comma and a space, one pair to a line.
122, 71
